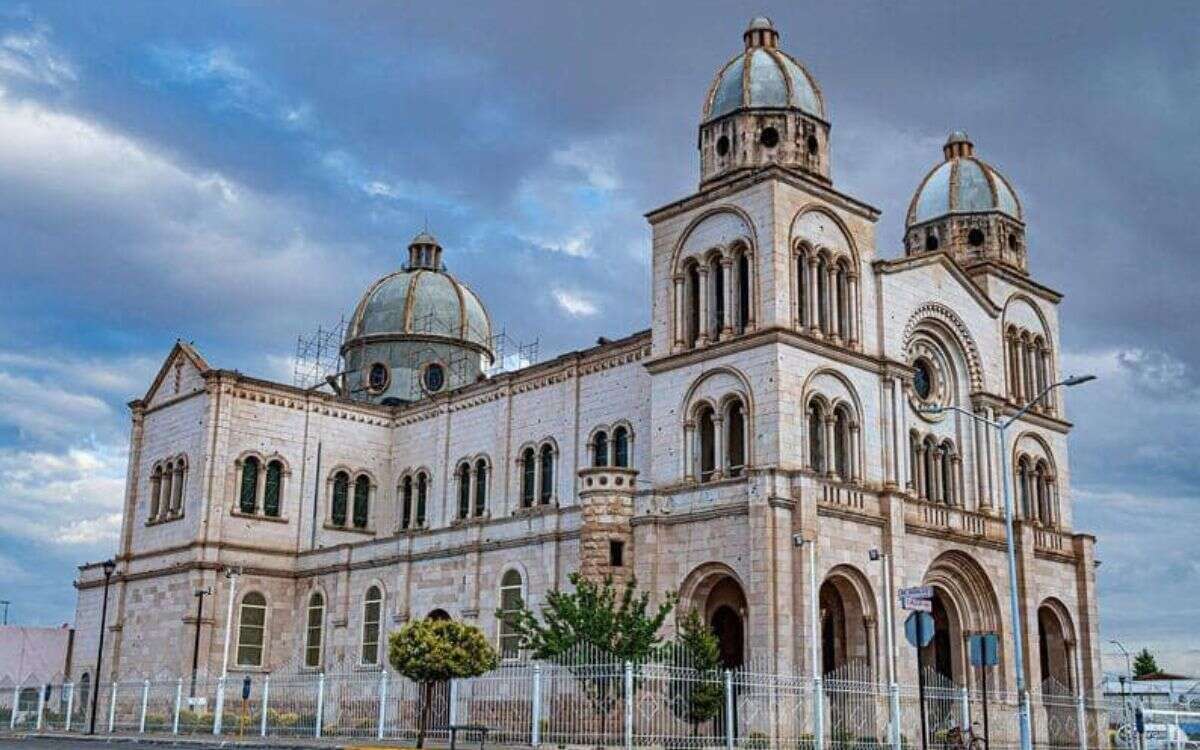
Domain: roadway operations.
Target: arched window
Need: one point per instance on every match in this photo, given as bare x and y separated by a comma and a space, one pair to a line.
464, 489
481, 485
621, 446
816, 435
273, 489
164, 506
822, 295
743, 293
155, 492
693, 304
547, 477
1044, 495
600, 449
406, 494
422, 494
949, 488
708, 457
841, 443
252, 627
372, 619
735, 444
716, 272
362, 500
341, 498
528, 477
930, 470
512, 599
803, 293
1023, 476
248, 501
177, 488
314, 630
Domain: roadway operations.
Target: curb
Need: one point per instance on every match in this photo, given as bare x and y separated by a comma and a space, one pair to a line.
172, 741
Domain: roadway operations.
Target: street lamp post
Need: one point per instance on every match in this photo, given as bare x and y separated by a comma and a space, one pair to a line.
884, 560
200, 594
109, 566
1014, 601
232, 574
1129, 668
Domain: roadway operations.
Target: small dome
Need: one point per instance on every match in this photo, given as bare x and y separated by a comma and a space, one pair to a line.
763, 76
962, 184
422, 302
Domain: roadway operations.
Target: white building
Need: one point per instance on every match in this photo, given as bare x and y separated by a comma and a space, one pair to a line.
775, 397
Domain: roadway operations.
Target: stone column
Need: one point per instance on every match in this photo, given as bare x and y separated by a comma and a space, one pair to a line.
856, 468
954, 491
680, 311
814, 297
728, 312
749, 282
939, 492
982, 498
889, 433
831, 301
1019, 371
689, 447
830, 468
919, 471
704, 337
718, 446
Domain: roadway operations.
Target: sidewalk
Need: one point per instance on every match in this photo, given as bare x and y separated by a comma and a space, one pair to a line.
202, 741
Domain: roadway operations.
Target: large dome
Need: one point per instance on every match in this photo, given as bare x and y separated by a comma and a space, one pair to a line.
962, 184
416, 332
762, 76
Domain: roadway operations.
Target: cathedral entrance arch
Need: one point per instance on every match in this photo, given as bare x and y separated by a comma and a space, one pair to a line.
715, 591
1056, 645
964, 604
847, 611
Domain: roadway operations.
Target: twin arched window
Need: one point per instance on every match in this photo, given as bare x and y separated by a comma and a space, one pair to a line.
1037, 490
260, 486
715, 441
611, 451
372, 626
314, 630
712, 297
826, 290
340, 508
537, 474
1029, 366
832, 440
936, 469
414, 492
166, 489
252, 628
512, 599
472, 488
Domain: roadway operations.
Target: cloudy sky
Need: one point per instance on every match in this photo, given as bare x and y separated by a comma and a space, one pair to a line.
236, 174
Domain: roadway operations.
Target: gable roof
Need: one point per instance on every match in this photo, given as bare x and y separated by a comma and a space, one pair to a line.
181, 349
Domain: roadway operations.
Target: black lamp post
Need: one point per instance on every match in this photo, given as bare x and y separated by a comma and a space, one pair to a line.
109, 566
200, 594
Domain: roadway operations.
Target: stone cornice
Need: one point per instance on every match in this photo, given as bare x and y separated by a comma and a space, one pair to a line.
776, 335
724, 510
740, 181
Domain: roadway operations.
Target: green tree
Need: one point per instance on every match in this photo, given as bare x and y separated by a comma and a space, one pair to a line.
625, 627
701, 700
1145, 664
429, 652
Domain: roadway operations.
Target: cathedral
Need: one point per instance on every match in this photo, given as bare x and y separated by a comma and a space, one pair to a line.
789, 442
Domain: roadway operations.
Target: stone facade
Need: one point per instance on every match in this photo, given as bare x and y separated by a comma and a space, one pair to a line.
782, 394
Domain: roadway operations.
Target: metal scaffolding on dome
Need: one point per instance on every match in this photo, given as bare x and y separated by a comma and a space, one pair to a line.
318, 355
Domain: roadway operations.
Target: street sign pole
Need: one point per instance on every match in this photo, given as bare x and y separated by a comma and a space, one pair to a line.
921, 699
918, 628
986, 738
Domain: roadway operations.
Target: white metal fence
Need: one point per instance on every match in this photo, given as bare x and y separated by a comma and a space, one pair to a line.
593, 702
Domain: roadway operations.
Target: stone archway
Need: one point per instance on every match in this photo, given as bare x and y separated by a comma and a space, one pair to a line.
715, 591
847, 616
964, 604
1056, 645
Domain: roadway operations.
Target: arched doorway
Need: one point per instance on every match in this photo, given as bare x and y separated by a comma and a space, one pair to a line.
725, 611
438, 614
939, 656
964, 604
1055, 645
847, 617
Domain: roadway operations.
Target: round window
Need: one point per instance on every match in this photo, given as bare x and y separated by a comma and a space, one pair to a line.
923, 379
378, 378
723, 145
435, 377
975, 237
769, 137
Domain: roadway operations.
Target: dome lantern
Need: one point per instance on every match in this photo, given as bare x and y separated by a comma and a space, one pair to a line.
966, 208
763, 108
424, 252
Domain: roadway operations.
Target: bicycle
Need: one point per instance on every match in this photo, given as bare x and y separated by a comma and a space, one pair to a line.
957, 739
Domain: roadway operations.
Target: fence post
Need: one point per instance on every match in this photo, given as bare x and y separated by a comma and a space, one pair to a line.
145, 700
894, 710
266, 702
628, 705
818, 714
535, 729
219, 711
728, 710
70, 705
452, 709
383, 680
41, 705
965, 707
12, 718
320, 705
1081, 720
178, 701
112, 708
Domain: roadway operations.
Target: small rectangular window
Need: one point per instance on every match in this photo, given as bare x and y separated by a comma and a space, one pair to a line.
616, 553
